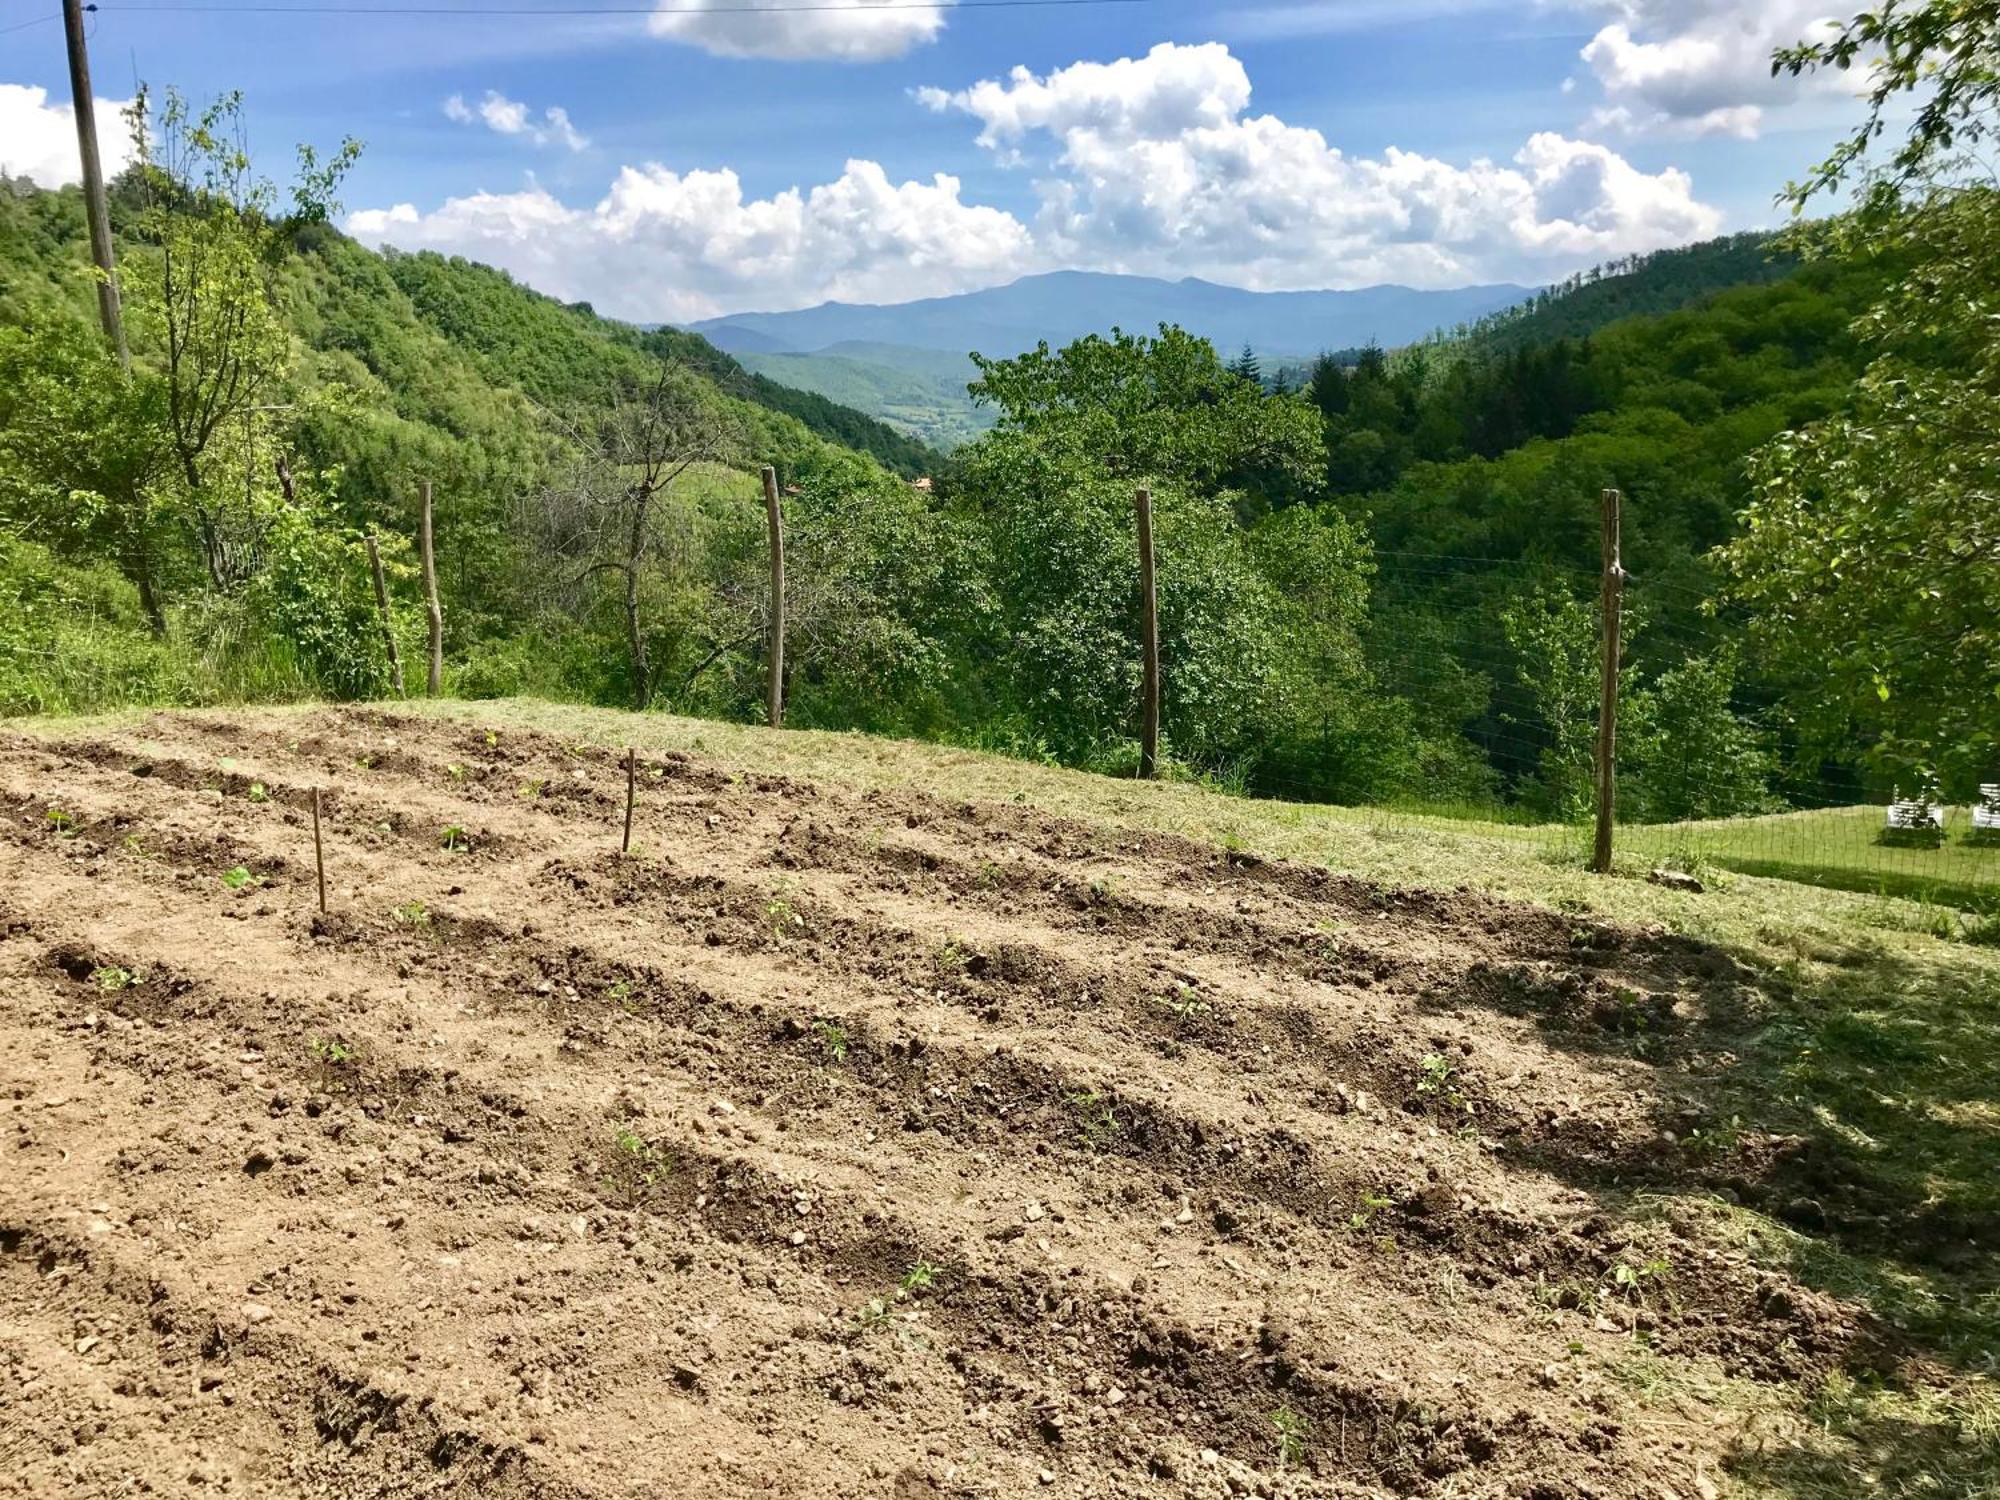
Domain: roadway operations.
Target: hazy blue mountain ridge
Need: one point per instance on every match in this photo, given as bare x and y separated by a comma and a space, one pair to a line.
1065, 305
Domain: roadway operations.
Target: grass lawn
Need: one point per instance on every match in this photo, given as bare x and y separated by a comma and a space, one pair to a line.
1841, 847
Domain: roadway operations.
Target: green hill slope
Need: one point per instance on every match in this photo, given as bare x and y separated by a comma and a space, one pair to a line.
1660, 282
919, 391
442, 324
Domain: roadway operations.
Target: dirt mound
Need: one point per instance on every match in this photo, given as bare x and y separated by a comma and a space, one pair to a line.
829, 1145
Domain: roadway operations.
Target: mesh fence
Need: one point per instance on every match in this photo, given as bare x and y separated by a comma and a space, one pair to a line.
1713, 770
1450, 689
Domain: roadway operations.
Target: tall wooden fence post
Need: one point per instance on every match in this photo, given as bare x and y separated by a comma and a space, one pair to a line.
319, 854
1607, 703
1149, 635
434, 678
388, 622
631, 792
775, 521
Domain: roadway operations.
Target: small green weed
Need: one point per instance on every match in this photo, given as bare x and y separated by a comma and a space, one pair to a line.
782, 917
335, 1061
258, 792
1439, 1078
1097, 1122
64, 823
454, 839
411, 914
455, 771
1633, 1280
111, 978
1371, 1204
832, 1039
1291, 1430
874, 1315
1716, 1140
920, 1277
1183, 1001
240, 879
635, 1169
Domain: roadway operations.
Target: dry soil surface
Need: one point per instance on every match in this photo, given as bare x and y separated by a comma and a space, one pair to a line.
830, 1144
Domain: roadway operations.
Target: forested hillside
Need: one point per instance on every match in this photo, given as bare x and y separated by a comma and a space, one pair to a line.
357, 377
1660, 281
1477, 466
474, 325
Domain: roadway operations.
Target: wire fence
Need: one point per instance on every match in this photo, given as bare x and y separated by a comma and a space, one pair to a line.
1455, 690
1714, 770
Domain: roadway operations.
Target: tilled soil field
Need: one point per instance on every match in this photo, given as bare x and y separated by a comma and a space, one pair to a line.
830, 1144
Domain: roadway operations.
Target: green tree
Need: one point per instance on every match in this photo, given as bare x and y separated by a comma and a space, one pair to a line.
1555, 640
1684, 753
1870, 554
607, 517
1944, 53
82, 448
1051, 489
880, 585
1164, 409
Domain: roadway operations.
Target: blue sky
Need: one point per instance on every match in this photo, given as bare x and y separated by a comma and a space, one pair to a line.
1329, 142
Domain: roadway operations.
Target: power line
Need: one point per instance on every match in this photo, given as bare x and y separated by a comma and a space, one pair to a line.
599, 10
38, 20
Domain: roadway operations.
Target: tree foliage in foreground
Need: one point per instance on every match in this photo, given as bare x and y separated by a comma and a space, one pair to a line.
1870, 554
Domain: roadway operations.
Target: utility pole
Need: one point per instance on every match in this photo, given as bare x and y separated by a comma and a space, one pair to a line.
95, 210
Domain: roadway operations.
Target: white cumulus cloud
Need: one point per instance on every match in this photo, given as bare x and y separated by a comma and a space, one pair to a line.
512, 117
1157, 166
1153, 164
863, 31
1700, 67
38, 138
679, 246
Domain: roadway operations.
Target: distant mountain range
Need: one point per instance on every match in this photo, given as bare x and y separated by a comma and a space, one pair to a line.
906, 362
1064, 305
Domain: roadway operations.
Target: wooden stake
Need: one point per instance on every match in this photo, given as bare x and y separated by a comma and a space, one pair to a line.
775, 523
319, 853
388, 624
1149, 633
1607, 703
98, 215
631, 790
434, 678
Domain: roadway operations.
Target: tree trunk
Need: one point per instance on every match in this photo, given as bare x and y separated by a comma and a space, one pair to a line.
642, 672
140, 569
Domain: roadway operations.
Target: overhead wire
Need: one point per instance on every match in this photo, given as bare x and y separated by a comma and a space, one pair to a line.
203, 7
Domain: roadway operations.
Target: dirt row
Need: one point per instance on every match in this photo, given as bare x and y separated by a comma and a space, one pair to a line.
828, 1144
